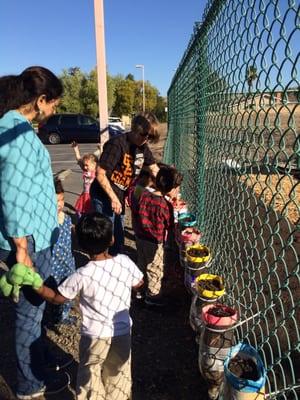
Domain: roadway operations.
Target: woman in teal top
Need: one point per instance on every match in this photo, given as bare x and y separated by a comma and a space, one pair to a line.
28, 209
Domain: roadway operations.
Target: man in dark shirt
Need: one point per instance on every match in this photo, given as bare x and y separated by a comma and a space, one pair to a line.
121, 161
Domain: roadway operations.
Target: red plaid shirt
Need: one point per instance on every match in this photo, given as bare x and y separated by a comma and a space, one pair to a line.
153, 217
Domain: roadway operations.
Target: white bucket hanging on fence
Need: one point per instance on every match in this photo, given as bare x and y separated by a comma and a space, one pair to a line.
216, 341
245, 375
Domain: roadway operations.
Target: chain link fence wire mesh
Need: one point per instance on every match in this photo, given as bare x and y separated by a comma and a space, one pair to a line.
234, 124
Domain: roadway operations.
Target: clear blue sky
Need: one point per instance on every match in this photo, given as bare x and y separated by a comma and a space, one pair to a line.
59, 34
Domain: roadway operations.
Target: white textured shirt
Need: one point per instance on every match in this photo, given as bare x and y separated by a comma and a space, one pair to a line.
104, 289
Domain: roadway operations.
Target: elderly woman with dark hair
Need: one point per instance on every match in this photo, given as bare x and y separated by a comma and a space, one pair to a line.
28, 216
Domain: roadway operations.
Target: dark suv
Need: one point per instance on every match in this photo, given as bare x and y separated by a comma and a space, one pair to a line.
68, 127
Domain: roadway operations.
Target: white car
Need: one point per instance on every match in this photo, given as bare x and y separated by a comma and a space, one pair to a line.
115, 121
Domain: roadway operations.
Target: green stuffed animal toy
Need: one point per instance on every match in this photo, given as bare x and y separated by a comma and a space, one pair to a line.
5, 286
8, 289
19, 275
22, 275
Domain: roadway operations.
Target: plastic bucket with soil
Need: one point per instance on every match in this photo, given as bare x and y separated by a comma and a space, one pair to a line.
209, 286
186, 220
190, 236
197, 258
245, 375
216, 341
187, 238
197, 305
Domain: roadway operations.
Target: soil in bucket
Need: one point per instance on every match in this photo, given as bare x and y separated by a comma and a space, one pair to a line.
220, 312
243, 368
198, 253
212, 285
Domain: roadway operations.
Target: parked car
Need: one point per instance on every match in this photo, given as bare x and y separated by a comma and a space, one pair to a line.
64, 128
116, 121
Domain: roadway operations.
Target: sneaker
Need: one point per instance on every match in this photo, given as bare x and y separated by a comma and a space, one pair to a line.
35, 395
56, 384
157, 301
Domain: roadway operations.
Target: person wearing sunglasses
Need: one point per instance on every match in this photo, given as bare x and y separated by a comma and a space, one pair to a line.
121, 161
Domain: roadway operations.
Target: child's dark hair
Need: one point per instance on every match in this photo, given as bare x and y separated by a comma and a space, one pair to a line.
168, 178
144, 177
19, 90
94, 233
58, 186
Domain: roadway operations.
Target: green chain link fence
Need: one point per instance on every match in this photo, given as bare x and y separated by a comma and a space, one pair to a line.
234, 131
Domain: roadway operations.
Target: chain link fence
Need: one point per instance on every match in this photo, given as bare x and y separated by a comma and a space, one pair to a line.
234, 124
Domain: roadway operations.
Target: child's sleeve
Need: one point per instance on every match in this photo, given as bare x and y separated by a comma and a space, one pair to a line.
71, 286
136, 274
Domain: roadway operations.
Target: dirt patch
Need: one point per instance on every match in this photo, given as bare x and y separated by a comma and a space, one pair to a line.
281, 192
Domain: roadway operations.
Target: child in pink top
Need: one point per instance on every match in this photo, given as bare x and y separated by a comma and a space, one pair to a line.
88, 164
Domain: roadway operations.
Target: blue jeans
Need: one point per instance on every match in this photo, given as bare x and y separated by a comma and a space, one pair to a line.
103, 206
28, 327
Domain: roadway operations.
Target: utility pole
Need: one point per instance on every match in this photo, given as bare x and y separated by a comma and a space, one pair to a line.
101, 69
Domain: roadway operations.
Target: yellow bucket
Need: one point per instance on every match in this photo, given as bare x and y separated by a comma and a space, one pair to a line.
206, 293
198, 259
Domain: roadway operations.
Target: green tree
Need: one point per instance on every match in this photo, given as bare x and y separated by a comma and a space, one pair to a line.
151, 94
72, 82
160, 108
89, 94
129, 77
124, 94
124, 98
111, 95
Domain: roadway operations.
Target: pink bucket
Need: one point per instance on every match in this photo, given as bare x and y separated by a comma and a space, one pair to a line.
190, 236
219, 321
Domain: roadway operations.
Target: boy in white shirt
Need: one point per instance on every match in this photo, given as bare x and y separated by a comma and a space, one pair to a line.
104, 287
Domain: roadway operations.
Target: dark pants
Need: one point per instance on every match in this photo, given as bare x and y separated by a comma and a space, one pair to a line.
104, 207
28, 328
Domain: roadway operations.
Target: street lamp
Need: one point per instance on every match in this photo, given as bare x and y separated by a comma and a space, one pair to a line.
143, 80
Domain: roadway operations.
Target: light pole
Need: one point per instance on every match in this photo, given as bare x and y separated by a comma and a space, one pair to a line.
143, 80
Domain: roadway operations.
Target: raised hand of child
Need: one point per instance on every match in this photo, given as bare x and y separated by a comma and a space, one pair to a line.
74, 144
